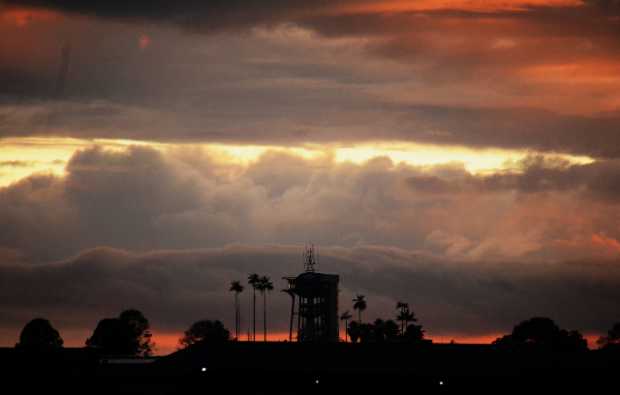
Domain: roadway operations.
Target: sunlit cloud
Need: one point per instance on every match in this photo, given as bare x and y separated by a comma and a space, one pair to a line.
51, 154
475, 161
38, 155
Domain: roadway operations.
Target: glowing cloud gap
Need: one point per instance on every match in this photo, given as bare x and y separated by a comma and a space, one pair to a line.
50, 154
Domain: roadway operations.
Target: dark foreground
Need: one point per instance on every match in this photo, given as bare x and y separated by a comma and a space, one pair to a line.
292, 368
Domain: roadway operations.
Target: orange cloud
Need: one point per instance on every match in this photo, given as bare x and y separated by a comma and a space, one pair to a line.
610, 245
396, 6
23, 17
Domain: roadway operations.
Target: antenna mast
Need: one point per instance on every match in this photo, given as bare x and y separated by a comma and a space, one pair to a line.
309, 259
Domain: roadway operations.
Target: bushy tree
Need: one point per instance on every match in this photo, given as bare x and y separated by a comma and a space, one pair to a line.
140, 330
205, 331
113, 336
384, 331
413, 334
381, 331
39, 334
542, 333
126, 335
612, 339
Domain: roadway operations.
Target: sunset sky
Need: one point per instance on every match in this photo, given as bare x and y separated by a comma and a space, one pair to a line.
460, 155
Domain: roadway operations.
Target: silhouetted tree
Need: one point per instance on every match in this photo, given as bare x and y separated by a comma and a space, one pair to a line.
203, 332
237, 288
390, 331
346, 316
140, 327
612, 339
253, 280
382, 331
542, 333
39, 334
367, 333
404, 316
354, 330
413, 334
113, 336
377, 331
359, 304
264, 286
126, 335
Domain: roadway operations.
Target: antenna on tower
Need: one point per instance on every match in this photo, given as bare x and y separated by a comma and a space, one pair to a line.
63, 70
309, 258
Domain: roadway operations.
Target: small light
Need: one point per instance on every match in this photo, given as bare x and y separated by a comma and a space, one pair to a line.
440, 382
203, 369
316, 381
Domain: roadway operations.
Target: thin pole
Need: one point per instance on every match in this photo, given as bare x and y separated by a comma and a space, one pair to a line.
290, 328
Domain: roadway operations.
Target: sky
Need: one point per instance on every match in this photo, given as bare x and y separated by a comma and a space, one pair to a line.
460, 155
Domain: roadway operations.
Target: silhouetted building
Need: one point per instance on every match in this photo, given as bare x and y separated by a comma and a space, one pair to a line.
314, 303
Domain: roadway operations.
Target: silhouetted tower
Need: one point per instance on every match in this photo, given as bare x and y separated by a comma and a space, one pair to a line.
314, 302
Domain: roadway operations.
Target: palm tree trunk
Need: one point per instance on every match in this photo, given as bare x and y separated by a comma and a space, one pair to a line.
254, 316
249, 313
265, 316
237, 315
346, 330
359, 315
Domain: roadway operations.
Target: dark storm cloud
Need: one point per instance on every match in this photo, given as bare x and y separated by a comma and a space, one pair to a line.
175, 288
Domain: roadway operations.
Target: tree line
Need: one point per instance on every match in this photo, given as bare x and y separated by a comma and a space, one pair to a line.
401, 329
129, 333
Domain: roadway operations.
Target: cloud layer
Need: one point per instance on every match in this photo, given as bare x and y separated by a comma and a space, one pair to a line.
175, 288
141, 198
167, 228
473, 254
529, 75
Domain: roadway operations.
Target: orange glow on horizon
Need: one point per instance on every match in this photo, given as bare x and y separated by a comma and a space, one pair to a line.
396, 6
168, 342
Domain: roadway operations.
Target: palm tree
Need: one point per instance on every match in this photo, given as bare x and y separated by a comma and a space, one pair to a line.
359, 304
404, 316
265, 285
346, 316
237, 288
254, 280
